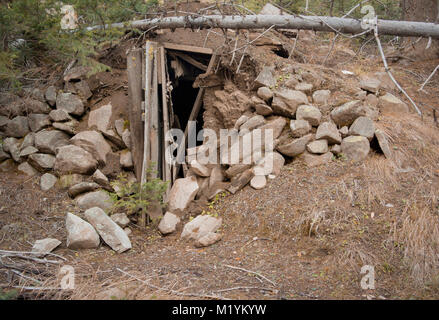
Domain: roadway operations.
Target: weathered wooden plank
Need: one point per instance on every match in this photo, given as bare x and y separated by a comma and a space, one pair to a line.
182, 47
149, 56
134, 70
154, 133
190, 60
159, 63
166, 165
193, 116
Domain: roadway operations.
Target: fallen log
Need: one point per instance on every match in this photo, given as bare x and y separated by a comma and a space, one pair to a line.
317, 23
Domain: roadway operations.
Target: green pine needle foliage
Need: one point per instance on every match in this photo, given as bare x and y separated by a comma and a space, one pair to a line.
31, 35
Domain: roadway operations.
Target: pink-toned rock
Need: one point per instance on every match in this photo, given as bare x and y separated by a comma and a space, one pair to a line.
94, 143
182, 193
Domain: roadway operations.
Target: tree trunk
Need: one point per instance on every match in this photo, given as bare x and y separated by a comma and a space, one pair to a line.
330, 24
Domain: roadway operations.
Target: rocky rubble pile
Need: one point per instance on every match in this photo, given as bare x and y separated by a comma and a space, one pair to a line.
303, 121
40, 133
304, 125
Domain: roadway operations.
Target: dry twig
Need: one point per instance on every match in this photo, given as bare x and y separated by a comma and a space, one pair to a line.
252, 272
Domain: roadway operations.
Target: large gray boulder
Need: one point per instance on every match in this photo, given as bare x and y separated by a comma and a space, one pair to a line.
69, 127
292, 99
346, 114
34, 106
168, 224
236, 169
82, 187
305, 87
295, 147
182, 193
201, 226
121, 219
265, 78
253, 123
80, 233
38, 121
315, 160
126, 159
50, 95
321, 97
119, 125
115, 138
263, 109
59, 115
99, 199
100, 118
241, 120
299, 128
216, 175
45, 246
8, 143
83, 89
241, 181
101, 179
318, 146
355, 148
94, 143
370, 84
391, 104
208, 239
70, 103
73, 159
28, 141
383, 142
310, 114
35, 93
27, 169
47, 181
329, 132
272, 163
199, 169
47, 141
258, 182
68, 180
17, 127
126, 138
265, 93
363, 126
41, 161
110, 232
277, 125
12, 145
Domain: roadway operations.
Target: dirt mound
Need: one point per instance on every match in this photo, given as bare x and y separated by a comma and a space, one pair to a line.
306, 235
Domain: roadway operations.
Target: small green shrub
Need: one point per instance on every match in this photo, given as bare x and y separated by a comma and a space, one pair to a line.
134, 198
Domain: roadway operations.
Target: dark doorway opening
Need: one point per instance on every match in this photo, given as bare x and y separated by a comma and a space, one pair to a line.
182, 75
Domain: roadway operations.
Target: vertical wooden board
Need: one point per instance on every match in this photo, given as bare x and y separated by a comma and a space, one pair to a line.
134, 71
154, 135
159, 63
166, 125
149, 58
